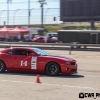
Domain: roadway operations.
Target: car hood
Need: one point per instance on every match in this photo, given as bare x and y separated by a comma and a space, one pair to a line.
61, 57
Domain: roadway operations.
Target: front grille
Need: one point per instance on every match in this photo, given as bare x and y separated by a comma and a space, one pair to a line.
73, 70
73, 63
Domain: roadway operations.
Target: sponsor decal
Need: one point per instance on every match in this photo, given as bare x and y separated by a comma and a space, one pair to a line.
34, 63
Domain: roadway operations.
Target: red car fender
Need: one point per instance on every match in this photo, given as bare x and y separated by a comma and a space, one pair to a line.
2, 58
58, 61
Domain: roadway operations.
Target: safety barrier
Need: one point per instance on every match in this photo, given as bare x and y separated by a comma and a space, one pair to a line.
47, 45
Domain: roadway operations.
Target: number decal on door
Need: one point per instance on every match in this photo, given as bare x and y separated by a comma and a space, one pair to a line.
23, 63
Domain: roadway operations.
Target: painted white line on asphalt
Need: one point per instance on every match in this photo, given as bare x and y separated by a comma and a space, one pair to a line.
69, 86
92, 76
15, 81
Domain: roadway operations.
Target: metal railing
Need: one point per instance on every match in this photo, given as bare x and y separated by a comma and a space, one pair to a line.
45, 45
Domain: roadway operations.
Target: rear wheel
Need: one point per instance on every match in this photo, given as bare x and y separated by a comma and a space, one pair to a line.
52, 69
2, 66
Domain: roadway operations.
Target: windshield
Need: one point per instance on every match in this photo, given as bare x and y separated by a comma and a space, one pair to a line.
53, 35
40, 52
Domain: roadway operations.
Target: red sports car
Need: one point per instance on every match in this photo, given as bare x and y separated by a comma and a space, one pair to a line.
39, 40
42, 40
24, 59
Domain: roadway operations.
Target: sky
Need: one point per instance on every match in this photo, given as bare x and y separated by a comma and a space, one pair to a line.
19, 14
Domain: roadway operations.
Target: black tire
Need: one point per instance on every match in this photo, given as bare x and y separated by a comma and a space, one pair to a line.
2, 66
52, 69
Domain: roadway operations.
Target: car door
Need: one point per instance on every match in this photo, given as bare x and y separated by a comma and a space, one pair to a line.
21, 60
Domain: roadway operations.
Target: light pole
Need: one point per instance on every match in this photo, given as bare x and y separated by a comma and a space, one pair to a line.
1, 14
47, 11
7, 12
46, 14
29, 13
8, 2
42, 2
15, 16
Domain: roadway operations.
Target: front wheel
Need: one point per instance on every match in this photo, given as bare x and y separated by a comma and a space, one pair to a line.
52, 69
2, 67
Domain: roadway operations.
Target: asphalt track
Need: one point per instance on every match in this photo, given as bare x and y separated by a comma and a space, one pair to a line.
23, 86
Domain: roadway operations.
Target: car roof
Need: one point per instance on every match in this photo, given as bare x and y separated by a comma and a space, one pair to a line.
22, 48
27, 48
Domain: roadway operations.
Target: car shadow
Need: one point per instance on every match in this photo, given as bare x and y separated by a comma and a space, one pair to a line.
41, 75
70, 76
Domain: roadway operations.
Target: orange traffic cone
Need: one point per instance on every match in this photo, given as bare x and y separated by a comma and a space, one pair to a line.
38, 79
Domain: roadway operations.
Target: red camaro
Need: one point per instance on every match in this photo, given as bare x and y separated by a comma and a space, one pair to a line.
35, 60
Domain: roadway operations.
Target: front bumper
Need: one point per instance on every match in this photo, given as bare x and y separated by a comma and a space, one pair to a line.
69, 69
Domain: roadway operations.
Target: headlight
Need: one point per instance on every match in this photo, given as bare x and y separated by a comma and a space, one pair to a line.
68, 63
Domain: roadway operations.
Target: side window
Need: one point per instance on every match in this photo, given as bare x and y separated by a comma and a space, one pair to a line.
10, 52
28, 52
22, 52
